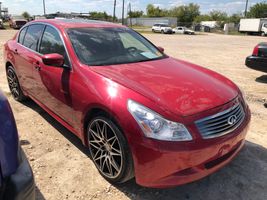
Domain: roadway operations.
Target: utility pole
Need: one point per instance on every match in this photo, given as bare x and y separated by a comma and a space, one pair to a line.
0, 10
246, 10
130, 13
114, 11
122, 18
44, 7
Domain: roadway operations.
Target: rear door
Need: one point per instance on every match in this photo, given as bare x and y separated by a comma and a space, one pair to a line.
25, 53
52, 84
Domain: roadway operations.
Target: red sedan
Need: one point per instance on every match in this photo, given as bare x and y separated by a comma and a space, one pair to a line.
140, 112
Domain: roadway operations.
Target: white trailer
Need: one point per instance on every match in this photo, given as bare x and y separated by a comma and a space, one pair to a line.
253, 26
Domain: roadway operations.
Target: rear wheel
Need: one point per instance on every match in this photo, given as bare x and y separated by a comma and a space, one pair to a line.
162, 31
13, 83
109, 150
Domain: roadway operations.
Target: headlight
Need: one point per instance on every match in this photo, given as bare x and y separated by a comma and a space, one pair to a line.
155, 126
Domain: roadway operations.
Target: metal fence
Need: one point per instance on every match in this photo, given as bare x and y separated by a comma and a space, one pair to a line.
171, 21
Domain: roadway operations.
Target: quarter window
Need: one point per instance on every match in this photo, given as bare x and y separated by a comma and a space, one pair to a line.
32, 36
52, 43
22, 35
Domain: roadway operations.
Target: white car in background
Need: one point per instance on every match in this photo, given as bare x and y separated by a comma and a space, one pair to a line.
183, 30
162, 28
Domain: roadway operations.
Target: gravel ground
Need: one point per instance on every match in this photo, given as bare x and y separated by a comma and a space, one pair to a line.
63, 170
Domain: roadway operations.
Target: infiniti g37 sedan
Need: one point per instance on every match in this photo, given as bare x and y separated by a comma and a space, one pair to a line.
140, 112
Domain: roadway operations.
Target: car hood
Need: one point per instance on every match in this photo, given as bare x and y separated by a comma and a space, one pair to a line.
178, 86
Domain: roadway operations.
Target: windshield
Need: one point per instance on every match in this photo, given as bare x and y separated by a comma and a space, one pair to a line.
109, 46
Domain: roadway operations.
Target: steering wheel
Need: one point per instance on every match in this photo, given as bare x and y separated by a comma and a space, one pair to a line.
132, 50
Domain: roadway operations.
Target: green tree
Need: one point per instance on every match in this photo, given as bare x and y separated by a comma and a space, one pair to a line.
135, 14
201, 18
235, 18
185, 13
217, 15
26, 15
259, 10
153, 11
100, 16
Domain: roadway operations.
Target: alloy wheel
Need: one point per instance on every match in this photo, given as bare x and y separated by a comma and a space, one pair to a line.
13, 83
105, 148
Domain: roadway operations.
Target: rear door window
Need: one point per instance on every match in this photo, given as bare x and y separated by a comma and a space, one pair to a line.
22, 35
32, 36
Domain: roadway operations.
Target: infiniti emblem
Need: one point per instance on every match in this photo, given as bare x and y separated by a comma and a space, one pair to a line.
232, 120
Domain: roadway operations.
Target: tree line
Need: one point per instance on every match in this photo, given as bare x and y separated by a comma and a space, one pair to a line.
185, 14
191, 13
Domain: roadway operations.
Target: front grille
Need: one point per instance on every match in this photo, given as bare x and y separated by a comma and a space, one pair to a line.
221, 123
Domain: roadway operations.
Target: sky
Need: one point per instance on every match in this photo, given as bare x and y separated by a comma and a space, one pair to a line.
35, 7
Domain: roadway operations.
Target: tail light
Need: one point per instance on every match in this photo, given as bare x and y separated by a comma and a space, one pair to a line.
256, 51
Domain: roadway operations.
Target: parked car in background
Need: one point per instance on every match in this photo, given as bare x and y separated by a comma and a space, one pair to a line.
139, 112
183, 30
16, 178
258, 59
253, 26
162, 28
1, 24
17, 22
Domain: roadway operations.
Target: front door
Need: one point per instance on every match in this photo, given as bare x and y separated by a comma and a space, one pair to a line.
52, 84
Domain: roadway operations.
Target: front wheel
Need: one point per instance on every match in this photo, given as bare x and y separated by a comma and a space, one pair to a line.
109, 150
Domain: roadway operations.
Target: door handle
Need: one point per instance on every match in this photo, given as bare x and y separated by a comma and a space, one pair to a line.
37, 66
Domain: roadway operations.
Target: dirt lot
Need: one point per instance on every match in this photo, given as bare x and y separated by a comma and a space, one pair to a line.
63, 170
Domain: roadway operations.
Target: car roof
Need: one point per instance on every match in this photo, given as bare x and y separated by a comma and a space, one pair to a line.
76, 23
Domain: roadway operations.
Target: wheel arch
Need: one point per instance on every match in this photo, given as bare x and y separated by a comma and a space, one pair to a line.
8, 63
99, 110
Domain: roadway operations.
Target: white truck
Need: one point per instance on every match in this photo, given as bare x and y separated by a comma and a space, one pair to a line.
253, 26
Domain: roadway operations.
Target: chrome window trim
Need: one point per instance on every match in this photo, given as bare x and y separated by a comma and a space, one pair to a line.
40, 39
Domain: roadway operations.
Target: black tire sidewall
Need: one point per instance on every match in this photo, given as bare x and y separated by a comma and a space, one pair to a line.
127, 166
21, 96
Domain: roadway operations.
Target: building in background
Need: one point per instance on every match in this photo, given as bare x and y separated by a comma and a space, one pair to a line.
3, 12
171, 21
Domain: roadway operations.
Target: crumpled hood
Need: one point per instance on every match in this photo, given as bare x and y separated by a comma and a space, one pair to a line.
180, 87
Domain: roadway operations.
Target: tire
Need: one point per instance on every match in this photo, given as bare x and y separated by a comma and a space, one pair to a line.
263, 34
109, 150
162, 31
14, 86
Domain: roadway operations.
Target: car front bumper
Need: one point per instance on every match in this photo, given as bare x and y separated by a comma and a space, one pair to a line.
20, 186
257, 63
161, 164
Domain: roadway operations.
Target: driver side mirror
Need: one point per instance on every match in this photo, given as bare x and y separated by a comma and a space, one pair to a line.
161, 49
53, 59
